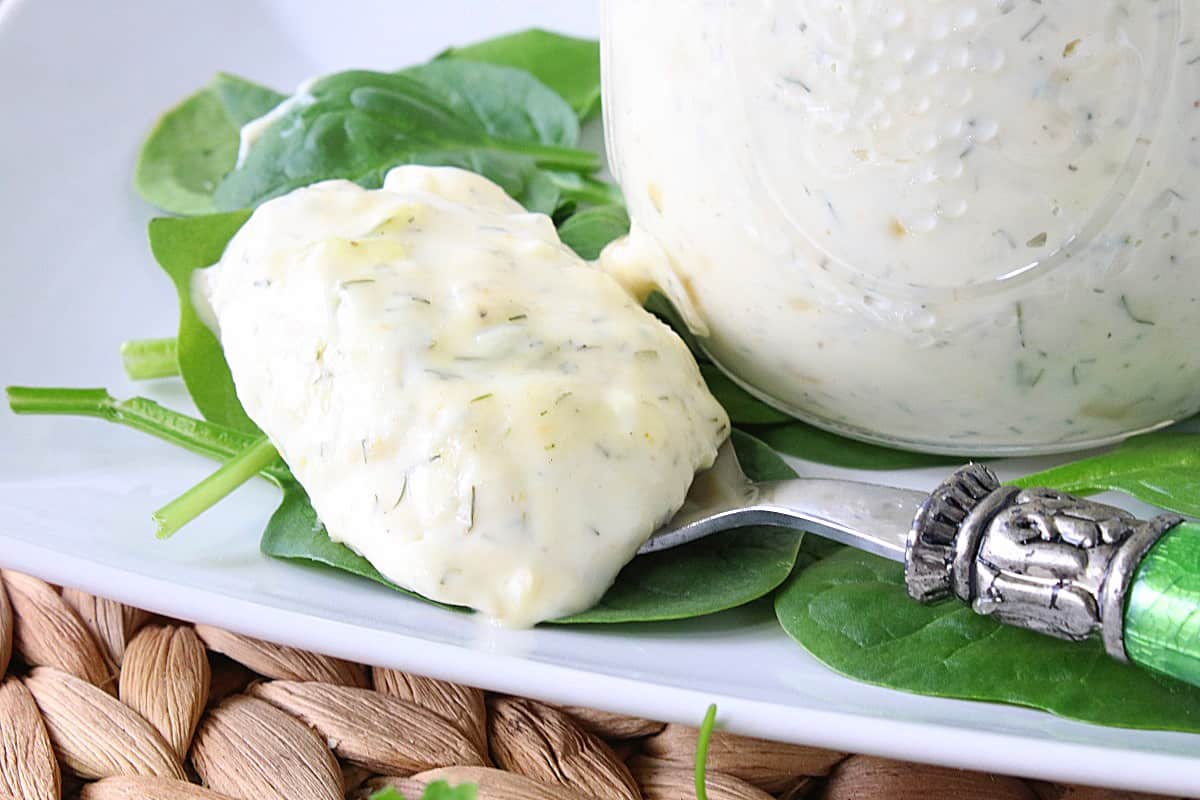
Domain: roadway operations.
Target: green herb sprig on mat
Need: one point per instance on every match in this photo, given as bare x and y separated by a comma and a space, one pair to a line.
702, 739
438, 790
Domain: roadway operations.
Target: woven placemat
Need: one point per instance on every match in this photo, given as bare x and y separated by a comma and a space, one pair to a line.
106, 702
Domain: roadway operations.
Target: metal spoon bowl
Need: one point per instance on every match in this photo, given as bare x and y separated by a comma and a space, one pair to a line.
867, 516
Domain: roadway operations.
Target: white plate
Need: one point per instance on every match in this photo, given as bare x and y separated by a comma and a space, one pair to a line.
79, 85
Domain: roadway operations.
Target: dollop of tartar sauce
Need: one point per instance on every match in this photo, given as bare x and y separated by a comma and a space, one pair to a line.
486, 418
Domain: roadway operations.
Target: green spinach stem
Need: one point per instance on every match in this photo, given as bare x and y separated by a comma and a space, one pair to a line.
702, 740
585, 189
552, 157
208, 492
145, 359
199, 436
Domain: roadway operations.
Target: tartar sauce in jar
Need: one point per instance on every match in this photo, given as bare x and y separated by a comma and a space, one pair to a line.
967, 226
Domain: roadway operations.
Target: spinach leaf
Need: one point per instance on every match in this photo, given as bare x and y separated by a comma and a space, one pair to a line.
658, 305
244, 100
295, 534
714, 574
588, 231
507, 103
519, 177
851, 612
356, 125
586, 190
743, 408
1162, 469
569, 66
758, 461
182, 246
814, 549
814, 444
194, 144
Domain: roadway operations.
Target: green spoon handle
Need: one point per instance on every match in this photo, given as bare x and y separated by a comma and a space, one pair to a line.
1062, 565
1162, 612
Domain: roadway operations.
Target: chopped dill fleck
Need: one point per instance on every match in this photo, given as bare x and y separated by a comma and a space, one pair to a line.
1033, 30
355, 282
471, 520
1025, 378
481, 397
797, 82
1132, 316
434, 457
518, 317
403, 490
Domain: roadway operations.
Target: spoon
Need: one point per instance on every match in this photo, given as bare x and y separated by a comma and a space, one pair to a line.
1034, 558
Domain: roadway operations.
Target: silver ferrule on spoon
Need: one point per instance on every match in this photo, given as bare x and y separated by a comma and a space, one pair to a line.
1034, 558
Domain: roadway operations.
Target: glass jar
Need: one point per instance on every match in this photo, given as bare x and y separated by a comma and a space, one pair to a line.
961, 226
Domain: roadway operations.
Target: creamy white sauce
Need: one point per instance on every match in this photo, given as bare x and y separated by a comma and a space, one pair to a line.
485, 417
966, 225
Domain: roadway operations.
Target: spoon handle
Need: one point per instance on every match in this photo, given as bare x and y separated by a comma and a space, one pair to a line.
1162, 613
1062, 565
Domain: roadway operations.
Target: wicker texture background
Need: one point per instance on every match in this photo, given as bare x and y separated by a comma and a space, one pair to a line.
105, 702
